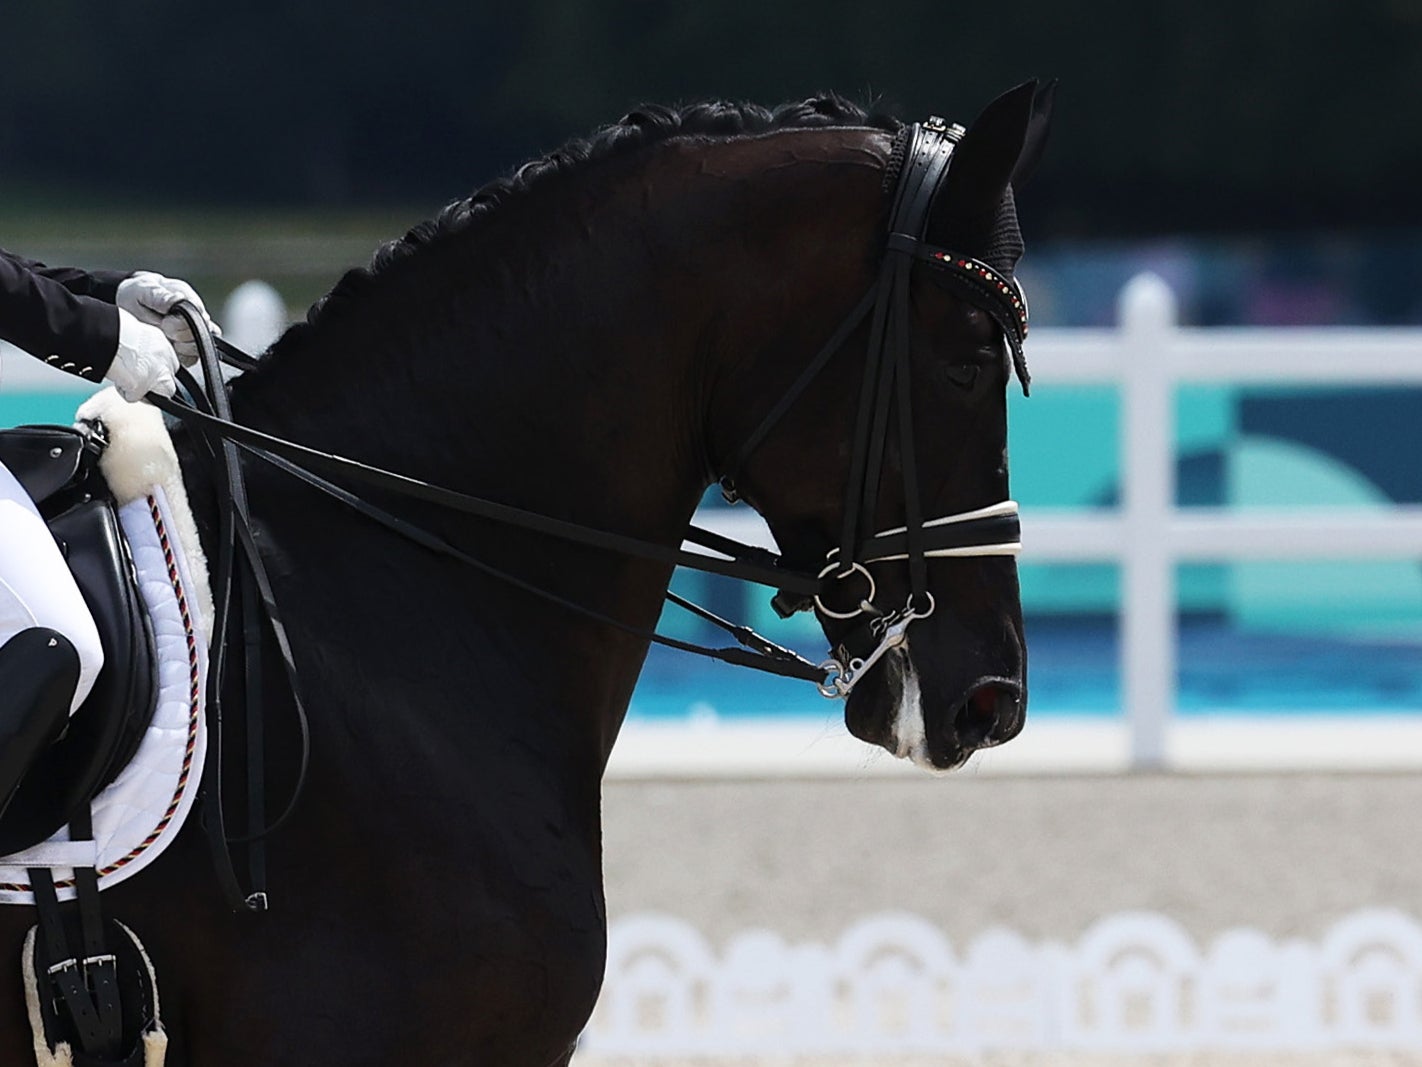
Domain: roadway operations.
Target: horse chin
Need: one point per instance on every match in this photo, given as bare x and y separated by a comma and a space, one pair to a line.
936, 734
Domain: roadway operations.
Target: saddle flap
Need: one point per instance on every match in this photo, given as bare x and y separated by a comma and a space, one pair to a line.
44, 459
104, 732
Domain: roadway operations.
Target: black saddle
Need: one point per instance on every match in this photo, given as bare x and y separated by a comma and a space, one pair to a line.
58, 467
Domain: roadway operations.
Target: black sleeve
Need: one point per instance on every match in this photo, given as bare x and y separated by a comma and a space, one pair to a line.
63, 316
101, 284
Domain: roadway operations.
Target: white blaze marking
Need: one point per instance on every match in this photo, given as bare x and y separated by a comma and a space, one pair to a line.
908, 730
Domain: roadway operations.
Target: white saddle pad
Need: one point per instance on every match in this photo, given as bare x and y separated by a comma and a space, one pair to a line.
141, 811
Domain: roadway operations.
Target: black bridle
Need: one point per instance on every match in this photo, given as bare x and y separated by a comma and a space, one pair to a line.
927, 152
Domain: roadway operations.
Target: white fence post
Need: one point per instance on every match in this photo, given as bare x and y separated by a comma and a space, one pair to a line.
253, 317
1147, 311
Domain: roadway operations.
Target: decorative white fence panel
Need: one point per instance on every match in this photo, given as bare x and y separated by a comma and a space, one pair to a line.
892, 984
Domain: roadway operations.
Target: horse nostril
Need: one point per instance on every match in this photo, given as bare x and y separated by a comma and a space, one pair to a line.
988, 717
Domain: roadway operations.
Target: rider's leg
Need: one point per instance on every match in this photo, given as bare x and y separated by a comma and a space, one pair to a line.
36, 589
49, 647
38, 672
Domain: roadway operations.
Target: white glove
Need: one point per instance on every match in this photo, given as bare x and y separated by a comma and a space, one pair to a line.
144, 362
151, 297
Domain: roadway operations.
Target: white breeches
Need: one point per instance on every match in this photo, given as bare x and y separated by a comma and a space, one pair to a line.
36, 588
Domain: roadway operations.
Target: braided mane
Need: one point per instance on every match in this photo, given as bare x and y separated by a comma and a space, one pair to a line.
647, 125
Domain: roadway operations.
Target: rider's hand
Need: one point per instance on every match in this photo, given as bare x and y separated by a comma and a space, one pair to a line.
150, 297
144, 362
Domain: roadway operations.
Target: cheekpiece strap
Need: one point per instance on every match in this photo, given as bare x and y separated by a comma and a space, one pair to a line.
1000, 296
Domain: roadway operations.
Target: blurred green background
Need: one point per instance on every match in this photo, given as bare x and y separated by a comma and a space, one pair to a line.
285, 140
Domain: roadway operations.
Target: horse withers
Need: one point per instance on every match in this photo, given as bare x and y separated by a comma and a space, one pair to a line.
595, 339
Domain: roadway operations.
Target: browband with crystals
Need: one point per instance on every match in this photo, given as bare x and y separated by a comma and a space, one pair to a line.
1002, 298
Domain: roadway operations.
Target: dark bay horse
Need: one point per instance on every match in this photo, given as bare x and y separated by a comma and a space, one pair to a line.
590, 339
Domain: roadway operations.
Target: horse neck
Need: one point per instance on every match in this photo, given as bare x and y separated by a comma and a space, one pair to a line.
568, 365
529, 363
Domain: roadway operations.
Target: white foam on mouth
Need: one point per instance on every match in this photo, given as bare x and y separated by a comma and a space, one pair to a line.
908, 730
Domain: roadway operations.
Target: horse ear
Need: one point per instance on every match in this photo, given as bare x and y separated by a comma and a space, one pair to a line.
1034, 144
1000, 149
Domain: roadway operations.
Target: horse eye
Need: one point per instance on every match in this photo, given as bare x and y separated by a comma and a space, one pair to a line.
963, 374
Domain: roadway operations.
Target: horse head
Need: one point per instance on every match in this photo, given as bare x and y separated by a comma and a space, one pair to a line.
941, 658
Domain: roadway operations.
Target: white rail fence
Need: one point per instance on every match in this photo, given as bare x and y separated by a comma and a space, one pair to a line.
892, 984
1148, 357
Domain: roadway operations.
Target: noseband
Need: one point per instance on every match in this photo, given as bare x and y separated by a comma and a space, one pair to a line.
990, 531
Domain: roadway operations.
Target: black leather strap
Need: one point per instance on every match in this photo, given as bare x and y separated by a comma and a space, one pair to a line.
234, 535
860, 459
257, 829
100, 963
88, 980
315, 461
234, 356
65, 968
787, 400
763, 655
913, 510
887, 380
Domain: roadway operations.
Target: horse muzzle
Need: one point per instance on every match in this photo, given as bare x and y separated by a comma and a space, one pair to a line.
936, 710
